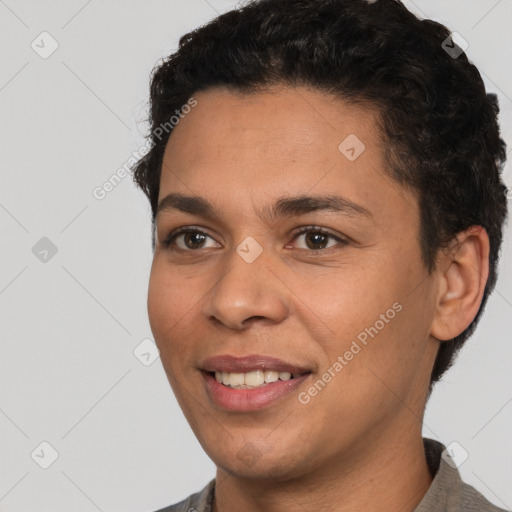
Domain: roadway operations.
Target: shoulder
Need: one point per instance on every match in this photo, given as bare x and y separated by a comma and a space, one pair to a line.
471, 500
448, 492
198, 502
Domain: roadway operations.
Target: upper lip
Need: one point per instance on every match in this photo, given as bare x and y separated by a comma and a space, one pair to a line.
233, 364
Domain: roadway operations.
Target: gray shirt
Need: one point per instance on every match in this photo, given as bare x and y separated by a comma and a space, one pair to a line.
447, 493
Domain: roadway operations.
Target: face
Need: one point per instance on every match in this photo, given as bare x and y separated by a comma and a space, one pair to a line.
296, 254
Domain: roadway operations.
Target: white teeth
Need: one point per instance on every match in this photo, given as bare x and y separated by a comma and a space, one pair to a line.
271, 376
254, 379
236, 379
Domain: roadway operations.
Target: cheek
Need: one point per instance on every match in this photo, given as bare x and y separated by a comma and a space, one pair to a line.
369, 313
348, 300
169, 302
159, 302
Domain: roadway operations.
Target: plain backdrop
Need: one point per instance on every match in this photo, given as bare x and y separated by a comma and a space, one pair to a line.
75, 382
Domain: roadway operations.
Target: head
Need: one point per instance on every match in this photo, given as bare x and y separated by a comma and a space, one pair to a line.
312, 101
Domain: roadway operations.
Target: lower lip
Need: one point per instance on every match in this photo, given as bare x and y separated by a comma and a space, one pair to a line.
250, 399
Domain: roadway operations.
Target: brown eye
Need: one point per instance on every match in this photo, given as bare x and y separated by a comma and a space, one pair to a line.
188, 239
193, 239
316, 239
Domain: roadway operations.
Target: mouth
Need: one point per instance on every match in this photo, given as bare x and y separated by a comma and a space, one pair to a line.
252, 382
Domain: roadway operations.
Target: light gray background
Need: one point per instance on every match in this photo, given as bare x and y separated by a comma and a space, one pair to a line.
69, 326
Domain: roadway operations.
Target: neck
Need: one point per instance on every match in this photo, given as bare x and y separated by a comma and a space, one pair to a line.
391, 476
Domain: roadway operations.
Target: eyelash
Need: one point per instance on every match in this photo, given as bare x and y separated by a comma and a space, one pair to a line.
308, 229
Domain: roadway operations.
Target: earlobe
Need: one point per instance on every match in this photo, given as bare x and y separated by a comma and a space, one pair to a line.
463, 271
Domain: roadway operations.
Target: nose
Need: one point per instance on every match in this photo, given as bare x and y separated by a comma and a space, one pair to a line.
247, 292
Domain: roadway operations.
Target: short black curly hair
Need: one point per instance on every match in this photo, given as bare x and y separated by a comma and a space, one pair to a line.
440, 127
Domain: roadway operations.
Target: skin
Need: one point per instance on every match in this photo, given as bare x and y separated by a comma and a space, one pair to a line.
357, 444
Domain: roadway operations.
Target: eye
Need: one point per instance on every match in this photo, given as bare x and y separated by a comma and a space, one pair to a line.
317, 239
187, 238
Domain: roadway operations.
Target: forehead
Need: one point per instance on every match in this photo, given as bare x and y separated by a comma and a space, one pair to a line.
281, 141
294, 123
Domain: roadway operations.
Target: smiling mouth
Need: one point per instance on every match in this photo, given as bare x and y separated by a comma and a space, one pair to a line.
251, 380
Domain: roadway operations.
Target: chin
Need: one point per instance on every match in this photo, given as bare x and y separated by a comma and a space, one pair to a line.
261, 461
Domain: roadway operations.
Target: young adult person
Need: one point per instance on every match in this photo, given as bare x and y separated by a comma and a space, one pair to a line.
327, 203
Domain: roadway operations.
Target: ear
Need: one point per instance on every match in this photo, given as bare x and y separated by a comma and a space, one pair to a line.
463, 271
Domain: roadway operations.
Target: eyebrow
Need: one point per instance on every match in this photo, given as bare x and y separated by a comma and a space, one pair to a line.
283, 207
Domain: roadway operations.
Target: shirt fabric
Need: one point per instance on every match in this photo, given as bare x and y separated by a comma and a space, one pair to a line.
447, 492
